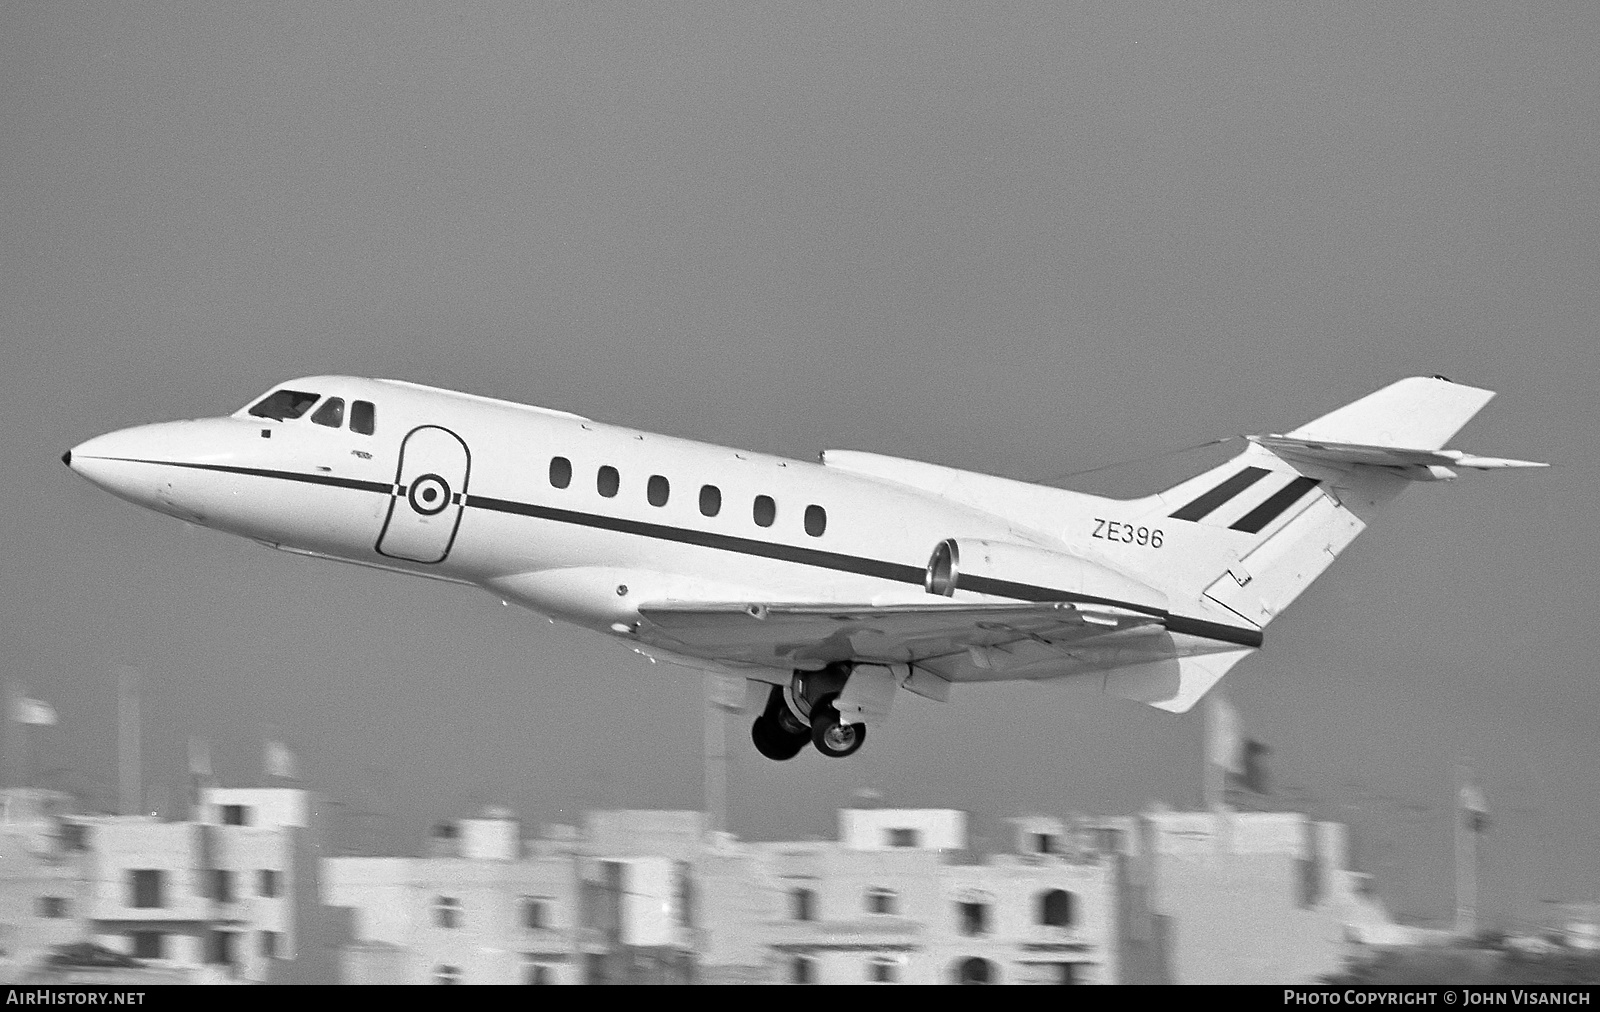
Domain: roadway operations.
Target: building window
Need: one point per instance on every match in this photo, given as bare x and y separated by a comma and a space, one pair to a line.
148, 944
331, 413
269, 945
803, 970
765, 511
447, 912
236, 815
710, 500
361, 419
222, 885
74, 836
52, 906
802, 904
222, 948
447, 974
560, 472
607, 481
974, 918
883, 970
903, 837
533, 914
685, 896
881, 900
975, 971
1055, 908
534, 972
656, 490
267, 883
146, 887
816, 521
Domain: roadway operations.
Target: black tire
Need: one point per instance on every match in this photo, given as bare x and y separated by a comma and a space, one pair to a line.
831, 736
773, 743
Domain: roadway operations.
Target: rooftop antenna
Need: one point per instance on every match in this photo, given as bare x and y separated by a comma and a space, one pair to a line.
128, 739
1472, 818
716, 756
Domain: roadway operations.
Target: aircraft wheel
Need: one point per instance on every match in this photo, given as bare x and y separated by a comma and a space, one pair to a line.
831, 736
771, 742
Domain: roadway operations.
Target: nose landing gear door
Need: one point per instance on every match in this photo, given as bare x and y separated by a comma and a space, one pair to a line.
425, 509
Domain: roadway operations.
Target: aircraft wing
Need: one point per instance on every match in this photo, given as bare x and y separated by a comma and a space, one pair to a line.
958, 642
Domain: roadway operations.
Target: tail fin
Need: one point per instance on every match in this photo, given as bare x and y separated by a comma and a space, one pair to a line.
1243, 540
1420, 413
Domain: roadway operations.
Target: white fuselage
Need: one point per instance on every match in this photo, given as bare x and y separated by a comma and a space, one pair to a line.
569, 552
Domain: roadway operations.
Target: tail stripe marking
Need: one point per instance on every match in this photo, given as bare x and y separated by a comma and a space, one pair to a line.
1280, 500
1231, 487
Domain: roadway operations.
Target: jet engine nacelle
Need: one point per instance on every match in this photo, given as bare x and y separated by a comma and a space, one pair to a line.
1021, 571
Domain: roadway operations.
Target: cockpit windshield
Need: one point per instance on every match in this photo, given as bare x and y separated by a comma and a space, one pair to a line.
284, 404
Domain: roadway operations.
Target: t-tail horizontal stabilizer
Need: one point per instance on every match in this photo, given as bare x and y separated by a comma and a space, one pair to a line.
1255, 532
1417, 464
1404, 427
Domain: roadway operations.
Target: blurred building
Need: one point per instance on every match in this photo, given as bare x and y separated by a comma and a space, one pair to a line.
900, 898
479, 908
1578, 926
1238, 898
229, 895
650, 897
45, 879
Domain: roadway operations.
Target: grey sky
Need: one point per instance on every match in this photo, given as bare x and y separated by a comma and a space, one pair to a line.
1018, 239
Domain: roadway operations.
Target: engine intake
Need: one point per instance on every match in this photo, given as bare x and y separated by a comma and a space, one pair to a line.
1026, 573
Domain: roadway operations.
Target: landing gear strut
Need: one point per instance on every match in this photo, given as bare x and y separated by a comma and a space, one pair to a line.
781, 731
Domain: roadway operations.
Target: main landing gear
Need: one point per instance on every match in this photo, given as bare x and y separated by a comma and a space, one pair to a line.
781, 731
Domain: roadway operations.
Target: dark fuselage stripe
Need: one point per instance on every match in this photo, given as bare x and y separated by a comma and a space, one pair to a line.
260, 472
1279, 501
1208, 502
893, 571
706, 539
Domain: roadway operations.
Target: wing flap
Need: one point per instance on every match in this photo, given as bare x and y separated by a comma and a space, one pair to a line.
812, 635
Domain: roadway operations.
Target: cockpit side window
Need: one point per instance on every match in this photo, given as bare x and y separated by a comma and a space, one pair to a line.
361, 417
331, 413
284, 404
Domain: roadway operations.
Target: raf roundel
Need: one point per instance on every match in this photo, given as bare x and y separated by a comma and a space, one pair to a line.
429, 494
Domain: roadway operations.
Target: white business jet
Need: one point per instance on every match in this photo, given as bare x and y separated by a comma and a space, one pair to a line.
836, 583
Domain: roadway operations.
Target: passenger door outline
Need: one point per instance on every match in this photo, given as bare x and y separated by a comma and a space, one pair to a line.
428, 498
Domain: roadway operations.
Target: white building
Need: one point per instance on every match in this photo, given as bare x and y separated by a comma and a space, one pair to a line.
224, 893
1239, 898
476, 911
899, 899
45, 879
221, 897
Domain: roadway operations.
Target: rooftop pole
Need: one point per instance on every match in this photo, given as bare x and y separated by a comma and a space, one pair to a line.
128, 740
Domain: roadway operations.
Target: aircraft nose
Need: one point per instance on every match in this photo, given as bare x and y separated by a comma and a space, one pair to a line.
121, 462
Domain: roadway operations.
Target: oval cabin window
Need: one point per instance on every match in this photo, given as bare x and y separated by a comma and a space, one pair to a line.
816, 521
560, 472
710, 500
607, 481
657, 490
765, 511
